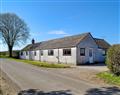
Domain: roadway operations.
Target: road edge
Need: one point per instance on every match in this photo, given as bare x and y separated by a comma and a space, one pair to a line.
10, 82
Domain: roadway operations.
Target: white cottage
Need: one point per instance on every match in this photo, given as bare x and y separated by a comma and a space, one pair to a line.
77, 49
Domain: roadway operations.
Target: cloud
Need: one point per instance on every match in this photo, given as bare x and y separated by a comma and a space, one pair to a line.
58, 32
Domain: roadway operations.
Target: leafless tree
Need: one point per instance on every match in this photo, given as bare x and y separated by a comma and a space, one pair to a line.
13, 30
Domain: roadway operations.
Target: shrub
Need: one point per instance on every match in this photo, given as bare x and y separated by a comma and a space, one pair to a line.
113, 59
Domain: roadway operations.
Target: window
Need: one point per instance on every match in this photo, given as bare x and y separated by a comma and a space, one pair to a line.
82, 51
103, 52
41, 52
34, 53
67, 52
21, 53
50, 52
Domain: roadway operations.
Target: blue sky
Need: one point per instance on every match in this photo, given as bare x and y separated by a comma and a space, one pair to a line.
48, 19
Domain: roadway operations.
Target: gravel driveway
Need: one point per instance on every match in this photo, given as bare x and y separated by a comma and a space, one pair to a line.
99, 67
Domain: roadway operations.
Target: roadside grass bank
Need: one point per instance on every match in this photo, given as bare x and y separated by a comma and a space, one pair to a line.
5, 88
42, 64
109, 78
2, 56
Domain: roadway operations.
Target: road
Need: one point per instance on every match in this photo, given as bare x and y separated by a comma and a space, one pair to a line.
46, 81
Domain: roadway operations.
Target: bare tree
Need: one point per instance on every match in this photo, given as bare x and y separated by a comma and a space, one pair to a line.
13, 30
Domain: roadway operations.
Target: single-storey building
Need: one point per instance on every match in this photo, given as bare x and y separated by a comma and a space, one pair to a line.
77, 49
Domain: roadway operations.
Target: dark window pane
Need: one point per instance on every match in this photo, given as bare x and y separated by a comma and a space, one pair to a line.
21, 53
103, 52
67, 52
50, 52
82, 51
34, 53
41, 52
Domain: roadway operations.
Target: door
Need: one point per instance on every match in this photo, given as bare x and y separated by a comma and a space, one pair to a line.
90, 55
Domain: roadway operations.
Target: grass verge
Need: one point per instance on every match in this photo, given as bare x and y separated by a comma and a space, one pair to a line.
42, 64
109, 78
1, 56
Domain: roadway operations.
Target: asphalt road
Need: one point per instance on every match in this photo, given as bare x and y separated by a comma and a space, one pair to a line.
47, 82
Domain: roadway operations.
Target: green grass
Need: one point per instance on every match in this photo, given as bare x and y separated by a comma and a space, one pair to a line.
42, 64
109, 78
2, 56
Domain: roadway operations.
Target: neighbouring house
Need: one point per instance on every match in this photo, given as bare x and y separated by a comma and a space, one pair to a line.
77, 49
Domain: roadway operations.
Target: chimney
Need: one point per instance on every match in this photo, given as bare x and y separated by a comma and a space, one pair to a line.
33, 41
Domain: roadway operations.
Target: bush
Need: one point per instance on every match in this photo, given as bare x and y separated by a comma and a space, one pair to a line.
113, 59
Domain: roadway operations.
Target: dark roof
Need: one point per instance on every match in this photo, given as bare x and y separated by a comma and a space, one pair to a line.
31, 47
102, 43
69, 41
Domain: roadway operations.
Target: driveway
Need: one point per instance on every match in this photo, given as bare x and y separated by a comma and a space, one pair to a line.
42, 81
99, 67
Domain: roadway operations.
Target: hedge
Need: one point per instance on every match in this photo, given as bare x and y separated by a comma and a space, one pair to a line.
113, 59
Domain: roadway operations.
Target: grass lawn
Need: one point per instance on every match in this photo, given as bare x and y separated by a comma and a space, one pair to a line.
109, 78
1, 56
42, 64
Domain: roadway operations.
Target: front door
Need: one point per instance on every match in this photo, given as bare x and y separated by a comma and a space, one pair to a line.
90, 55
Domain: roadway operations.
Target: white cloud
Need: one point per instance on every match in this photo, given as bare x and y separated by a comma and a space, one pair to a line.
58, 32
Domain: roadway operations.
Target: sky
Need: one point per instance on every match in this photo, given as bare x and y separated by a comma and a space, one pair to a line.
49, 19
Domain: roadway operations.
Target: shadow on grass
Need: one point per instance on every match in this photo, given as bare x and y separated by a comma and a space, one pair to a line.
104, 91
38, 92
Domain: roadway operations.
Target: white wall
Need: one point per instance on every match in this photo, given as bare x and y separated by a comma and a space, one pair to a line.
48, 58
87, 43
68, 59
37, 57
24, 56
62, 59
30, 55
52, 59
